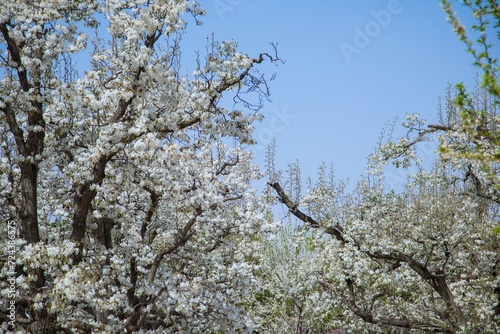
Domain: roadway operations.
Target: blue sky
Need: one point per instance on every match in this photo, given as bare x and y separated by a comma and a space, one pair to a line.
331, 105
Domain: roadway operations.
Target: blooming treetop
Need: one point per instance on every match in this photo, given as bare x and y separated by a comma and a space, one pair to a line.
129, 183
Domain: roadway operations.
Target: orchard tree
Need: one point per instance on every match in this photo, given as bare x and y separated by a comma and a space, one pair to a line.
289, 299
129, 184
424, 258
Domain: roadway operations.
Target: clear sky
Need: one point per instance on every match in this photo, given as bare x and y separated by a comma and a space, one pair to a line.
339, 86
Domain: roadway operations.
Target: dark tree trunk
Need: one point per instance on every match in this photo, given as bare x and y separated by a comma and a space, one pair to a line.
27, 210
30, 149
28, 214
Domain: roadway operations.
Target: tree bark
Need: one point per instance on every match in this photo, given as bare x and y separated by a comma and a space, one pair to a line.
85, 194
29, 149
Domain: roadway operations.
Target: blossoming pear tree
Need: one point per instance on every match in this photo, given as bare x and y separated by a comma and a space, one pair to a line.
128, 182
424, 257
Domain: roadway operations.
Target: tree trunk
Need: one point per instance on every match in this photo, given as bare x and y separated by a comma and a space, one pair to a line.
27, 210
28, 214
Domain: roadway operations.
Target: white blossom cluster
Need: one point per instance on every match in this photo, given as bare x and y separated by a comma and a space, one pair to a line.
129, 186
423, 257
146, 217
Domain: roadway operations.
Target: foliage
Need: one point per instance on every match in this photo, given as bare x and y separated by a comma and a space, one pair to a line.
487, 17
478, 121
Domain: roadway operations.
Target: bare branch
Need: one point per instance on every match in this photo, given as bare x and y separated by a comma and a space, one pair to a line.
439, 127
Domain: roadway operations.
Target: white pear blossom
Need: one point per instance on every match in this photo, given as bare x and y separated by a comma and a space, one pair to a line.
141, 217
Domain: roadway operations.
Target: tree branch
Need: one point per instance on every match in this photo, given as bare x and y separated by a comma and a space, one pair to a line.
84, 195
293, 208
182, 237
439, 127
14, 127
436, 280
15, 54
368, 317
155, 198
